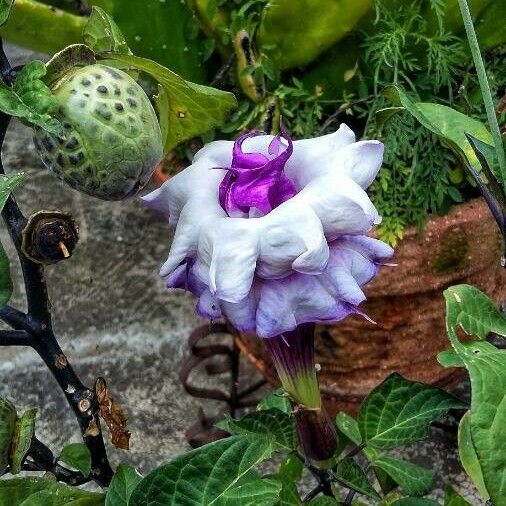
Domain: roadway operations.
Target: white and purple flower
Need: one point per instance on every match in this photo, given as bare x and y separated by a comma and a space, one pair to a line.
271, 233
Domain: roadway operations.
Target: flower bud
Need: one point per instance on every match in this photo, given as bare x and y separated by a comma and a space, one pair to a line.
111, 141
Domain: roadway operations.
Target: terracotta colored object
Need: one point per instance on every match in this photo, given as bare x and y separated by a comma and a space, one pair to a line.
407, 303
160, 175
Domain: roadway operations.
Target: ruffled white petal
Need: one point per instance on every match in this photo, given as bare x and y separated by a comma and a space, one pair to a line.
306, 260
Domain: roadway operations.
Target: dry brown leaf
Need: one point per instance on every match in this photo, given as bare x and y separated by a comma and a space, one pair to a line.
113, 415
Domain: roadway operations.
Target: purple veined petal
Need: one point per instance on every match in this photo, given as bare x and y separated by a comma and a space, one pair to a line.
300, 298
208, 306
254, 181
369, 247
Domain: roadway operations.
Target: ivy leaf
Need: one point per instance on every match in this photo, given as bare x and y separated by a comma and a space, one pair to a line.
192, 109
78, 456
43, 492
349, 427
448, 124
123, 483
353, 476
8, 418
5, 10
270, 423
207, 476
101, 33
413, 479
453, 498
398, 412
7, 184
474, 312
468, 457
25, 430
276, 399
30, 99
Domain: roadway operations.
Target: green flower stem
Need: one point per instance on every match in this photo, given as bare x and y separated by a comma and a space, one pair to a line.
485, 87
42, 27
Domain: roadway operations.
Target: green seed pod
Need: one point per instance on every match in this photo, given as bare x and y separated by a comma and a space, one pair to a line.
112, 140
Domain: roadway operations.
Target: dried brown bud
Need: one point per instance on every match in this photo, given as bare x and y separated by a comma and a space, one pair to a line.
49, 236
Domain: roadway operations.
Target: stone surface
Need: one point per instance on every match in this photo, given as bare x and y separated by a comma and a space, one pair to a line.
114, 318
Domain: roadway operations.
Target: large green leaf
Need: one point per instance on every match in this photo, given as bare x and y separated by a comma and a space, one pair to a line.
413, 479
123, 483
271, 423
8, 418
294, 32
453, 498
44, 492
30, 99
398, 412
101, 33
78, 456
350, 474
7, 184
163, 31
5, 10
289, 474
323, 501
486, 366
490, 29
208, 476
25, 430
468, 457
448, 124
192, 109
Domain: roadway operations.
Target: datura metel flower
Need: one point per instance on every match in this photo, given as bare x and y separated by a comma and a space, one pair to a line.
271, 234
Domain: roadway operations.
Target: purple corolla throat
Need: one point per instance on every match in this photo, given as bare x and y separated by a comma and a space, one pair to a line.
256, 182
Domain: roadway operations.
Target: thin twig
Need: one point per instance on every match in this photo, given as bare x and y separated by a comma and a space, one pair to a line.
15, 338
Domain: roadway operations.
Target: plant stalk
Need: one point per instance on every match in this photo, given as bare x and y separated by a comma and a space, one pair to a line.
485, 88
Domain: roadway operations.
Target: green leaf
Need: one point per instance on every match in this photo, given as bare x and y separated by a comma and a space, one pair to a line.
270, 423
398, 412
413, 479
415, 501
349, 427
390, 498
101, 33
289, 473
323, 501
25, 430
44, 492
453, 498
448, 124
193, 109
160, 31
353, 476
7, 184
8, 418
473, 311
276, 399
5, 10
468, 457
123, 483
30, 99
485, 364
78, 456
257, 492
207, 476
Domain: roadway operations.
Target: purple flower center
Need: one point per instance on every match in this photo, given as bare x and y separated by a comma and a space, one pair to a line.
255, 181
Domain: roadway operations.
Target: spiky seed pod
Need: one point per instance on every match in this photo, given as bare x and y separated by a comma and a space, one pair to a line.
112, 140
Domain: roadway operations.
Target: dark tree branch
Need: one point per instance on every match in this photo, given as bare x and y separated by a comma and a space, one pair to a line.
15, 338
34, 329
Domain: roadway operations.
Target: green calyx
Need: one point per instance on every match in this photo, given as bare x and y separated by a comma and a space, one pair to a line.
111, 141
